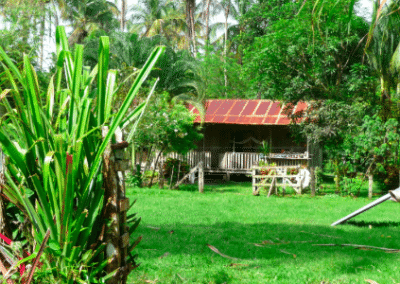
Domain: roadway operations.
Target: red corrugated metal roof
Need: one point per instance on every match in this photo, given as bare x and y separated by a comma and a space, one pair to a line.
258, 112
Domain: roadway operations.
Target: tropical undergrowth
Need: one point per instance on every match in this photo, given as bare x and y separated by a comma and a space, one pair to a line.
53, 139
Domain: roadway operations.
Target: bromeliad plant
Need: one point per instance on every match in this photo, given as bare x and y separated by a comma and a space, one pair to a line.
55, 148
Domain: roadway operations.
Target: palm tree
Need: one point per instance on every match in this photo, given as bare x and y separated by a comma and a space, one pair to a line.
160, 17
383, 50
209, 8
123, 15
233, 9
87, 16
190, 22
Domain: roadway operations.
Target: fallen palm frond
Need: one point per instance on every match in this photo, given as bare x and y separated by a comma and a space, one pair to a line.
328, 236
281, 242
292, 254
214, 249
357, 246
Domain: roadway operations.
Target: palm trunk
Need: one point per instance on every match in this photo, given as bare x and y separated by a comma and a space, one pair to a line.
190, 6
42, 27
225, 48
207, 19
386, 100
123, 15
193, 37
55, 14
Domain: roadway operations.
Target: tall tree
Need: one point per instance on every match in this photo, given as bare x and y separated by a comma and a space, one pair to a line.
87, 16
309, 55
123, 15
160, 17
383, 50
190, 22
209, 8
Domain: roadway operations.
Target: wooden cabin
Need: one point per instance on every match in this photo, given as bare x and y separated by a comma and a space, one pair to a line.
234, 130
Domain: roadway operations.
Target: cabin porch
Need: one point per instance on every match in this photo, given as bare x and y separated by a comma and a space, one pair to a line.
224, 160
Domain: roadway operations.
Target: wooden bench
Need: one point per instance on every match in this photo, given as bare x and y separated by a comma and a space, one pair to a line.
278, 176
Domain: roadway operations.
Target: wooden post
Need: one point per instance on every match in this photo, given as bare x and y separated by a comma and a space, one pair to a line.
272, 187
161, 172
254, 180
370, 184
312, 181
201, 177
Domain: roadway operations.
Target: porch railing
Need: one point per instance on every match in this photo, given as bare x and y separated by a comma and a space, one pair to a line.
225, 160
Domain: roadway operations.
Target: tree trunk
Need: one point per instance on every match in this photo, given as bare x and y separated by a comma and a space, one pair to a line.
190, 6
42, 27
207, 19
227, 9
155, 166
370, 185
194, 37
123, 15
201, 177
111, 210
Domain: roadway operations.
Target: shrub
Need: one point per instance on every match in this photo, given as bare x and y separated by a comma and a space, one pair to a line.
175, 167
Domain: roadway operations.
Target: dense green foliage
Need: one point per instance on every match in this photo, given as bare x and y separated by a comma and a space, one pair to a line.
321, 51
55, 149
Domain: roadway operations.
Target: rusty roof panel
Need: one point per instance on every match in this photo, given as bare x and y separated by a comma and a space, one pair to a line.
283, 120
249, 108
257, 120
259, 112
232, 119
218, 119
275, 109
213, 106
263, 108
245, 120
270, 120
238, 107
301, 106
224, 107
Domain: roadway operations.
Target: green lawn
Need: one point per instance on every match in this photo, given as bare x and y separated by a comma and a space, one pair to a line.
271, 239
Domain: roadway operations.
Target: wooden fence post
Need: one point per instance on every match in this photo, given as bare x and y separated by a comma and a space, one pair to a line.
201, 177
272, 187
253, 173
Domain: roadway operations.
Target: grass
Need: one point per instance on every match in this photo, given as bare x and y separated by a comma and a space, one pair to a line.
271, 239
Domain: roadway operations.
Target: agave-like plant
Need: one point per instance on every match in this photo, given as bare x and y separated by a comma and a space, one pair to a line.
54, 144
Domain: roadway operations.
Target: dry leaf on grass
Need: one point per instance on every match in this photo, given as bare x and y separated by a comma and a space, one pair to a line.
164, 255
364, 247
237, 264
294, 256
371, 281
214, 249
153, 228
